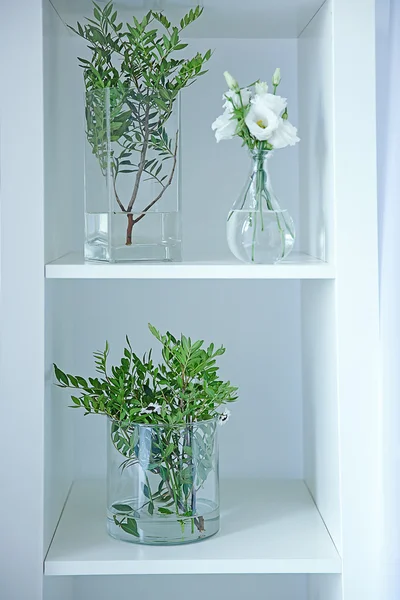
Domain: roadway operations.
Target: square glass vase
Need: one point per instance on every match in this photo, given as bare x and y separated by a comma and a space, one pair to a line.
132, 203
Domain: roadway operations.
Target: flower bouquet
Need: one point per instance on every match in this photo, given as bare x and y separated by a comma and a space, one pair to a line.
258, 230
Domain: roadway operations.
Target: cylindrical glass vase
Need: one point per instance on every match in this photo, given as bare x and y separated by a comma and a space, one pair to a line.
163, 482
132, 207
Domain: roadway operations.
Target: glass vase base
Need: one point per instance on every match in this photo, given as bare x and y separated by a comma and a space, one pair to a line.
155, 237
165, 530
260, 237
136, 252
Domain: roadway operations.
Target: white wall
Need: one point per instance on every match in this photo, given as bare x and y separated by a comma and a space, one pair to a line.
316, 167
59, 197
258, 322
64, 138
320, 402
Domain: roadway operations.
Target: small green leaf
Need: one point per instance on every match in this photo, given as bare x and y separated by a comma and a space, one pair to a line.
60, 375
122, 507
130, 527
165, 511
150, 508
146, 491
169, 450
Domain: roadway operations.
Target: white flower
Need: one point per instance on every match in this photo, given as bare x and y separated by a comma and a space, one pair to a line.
151, 409
261, 120
224, 126
276, 78
237, 99
275, 103
261, 88
223, 417
284, 135
231, 81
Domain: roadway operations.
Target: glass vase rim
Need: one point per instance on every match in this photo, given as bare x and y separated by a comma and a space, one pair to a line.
167, 425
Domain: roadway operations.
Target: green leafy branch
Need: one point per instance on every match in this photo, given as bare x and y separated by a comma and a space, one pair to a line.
135, 69
180, 399
185, 386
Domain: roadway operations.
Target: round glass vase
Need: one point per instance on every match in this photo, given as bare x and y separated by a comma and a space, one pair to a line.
162, 482
258, 230
132, 205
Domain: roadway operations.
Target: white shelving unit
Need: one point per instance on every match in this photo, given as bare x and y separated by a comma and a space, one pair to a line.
301, 510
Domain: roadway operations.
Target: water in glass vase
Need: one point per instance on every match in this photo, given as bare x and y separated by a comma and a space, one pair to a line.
260, 236
258, 230
168, 529
116, 236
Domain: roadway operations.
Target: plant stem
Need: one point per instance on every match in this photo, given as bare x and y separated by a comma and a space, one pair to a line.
157, 198
116, 194
138, 176
129, 229
142, 158
131, 220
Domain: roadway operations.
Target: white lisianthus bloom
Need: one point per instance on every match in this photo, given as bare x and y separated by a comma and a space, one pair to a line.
236, 99
261, 88
261, 119
276, 77
284, 135
274, 103
224, 126
231, 81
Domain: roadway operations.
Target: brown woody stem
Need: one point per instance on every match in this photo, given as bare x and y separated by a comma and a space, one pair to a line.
129, 230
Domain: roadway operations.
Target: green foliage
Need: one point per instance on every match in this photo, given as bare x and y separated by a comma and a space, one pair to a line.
179, 399
132, 81
184, 388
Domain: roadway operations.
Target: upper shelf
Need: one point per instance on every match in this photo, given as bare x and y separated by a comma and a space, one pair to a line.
221, 18
266, 527
298, 266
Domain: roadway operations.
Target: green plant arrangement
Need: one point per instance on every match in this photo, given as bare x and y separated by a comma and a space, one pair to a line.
133, 79
163, 455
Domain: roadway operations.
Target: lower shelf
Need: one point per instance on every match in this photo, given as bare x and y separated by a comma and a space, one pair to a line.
266, 527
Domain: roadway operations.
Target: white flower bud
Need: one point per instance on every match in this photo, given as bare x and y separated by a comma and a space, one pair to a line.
276, 78
231, 81
261, 87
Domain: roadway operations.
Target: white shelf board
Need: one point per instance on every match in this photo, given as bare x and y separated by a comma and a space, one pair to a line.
297, 266
266, 527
